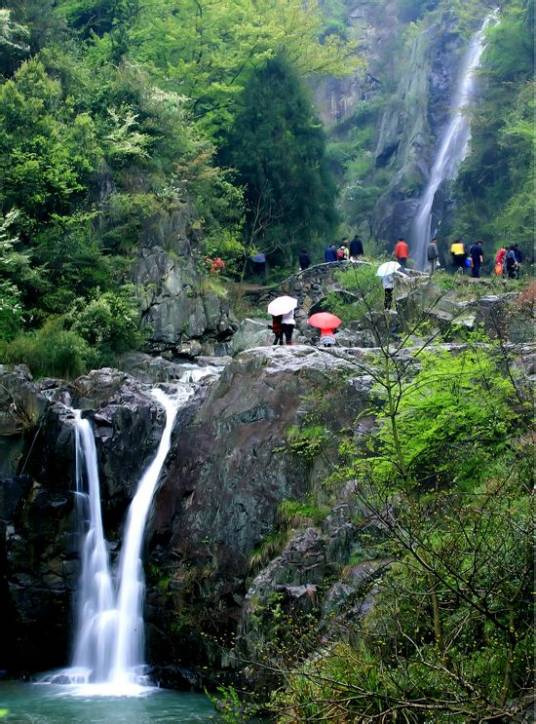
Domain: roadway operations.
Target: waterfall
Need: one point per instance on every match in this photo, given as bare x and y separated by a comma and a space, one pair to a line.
109, 641
454, 145
94, 636
128, 653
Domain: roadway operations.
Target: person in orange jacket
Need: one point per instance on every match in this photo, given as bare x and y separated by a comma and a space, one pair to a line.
402, 252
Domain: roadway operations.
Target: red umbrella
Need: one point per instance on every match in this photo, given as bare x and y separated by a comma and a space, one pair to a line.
324, 320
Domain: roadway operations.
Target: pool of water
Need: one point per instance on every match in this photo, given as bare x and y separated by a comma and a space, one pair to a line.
51, 704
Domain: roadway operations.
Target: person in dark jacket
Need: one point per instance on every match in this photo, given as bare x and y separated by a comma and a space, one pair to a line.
511, 264
432, 254
277, 329
356, 248
330, 254
304, 260
477, 259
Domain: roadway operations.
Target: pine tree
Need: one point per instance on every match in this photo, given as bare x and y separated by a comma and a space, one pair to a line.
277, 147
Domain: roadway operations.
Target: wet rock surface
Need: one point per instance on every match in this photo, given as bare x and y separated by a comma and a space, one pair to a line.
39, 543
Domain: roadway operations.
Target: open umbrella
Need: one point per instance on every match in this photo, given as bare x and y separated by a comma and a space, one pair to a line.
390, 267
282, 305
324, 320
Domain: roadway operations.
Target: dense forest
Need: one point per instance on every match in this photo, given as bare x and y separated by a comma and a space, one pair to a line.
116, 115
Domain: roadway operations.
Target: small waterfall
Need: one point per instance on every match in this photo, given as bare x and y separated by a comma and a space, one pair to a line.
94, 636
109, 642
454, 145
127, 665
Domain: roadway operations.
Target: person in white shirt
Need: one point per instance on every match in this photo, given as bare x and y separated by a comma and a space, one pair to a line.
288, 323
388, 282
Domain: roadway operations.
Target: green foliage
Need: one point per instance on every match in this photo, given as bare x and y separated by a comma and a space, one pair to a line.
109, 323
299, 514
364, 293
50, 351
13, 42
277, 147
450, 632
453, 419
306, 442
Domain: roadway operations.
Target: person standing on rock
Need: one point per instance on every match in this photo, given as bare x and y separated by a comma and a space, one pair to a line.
477, 259
402, 252
432, 254
388, 282
510, 263
499, 261
356, 249
288, 323
519, 259
304, 260
277, 329
457, 251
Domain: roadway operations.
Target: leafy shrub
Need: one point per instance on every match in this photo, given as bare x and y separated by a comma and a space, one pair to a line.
110, 322
10, 310
50, 351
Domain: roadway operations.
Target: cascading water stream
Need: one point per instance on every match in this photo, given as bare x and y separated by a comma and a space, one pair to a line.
454, 144
94, 635
109, 643
127, 663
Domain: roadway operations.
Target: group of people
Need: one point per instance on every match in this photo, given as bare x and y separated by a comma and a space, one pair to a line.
507, 261
345, 251
283, 328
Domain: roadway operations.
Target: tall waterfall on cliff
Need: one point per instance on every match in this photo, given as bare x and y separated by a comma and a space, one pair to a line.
128, 651
454, 145
94, 636
109, 645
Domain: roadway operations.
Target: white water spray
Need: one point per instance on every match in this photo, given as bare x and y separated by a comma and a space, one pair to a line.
109, 644
94, 635
454, 144
128, 663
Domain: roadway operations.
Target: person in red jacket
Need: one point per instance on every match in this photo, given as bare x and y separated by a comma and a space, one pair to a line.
402, 252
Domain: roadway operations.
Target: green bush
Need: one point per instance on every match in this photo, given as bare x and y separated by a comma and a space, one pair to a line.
110, 323
10, 310
50, 351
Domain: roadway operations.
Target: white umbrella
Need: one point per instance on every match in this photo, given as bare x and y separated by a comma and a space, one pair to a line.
390, 267
282, 305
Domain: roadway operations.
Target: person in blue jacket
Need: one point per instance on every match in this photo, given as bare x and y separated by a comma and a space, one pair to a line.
330, 254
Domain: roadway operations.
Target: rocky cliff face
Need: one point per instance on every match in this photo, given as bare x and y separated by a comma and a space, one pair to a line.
39, 544
398, 99
181, 312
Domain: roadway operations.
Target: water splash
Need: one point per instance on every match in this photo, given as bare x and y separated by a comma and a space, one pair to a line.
109, 642
454, 144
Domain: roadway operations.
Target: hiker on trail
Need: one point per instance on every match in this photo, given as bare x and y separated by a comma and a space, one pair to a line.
342, 252
304, 260
402, 252
327, 337
356, 248
388, 282
277, 329
288, 323
477, 259
432, 254
330, 254
457, 251
327, 324
511, 265
519, 258
499, 261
